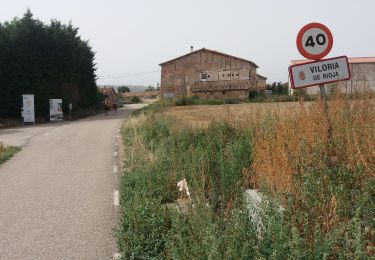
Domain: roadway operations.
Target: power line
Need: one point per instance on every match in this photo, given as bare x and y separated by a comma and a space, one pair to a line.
126, 75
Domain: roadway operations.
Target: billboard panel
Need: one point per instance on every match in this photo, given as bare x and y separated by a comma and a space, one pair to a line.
55, 110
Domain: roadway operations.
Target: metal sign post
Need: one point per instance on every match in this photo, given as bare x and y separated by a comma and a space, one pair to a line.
70, 111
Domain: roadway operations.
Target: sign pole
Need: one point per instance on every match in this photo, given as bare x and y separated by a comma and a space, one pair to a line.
323, 95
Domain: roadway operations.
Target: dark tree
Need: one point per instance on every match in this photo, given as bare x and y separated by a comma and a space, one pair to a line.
49, 61
123, 89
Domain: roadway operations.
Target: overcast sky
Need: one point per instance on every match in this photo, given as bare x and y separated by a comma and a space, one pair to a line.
133, 37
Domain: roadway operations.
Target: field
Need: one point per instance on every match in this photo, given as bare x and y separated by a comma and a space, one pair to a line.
317, 163
203, 115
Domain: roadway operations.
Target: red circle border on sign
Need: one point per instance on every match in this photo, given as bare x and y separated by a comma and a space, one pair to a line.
299, 41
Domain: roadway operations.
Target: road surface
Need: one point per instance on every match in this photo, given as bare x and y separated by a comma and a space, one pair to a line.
58, 197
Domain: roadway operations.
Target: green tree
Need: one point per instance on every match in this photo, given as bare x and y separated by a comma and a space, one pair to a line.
123, 89
150, 88
47, 60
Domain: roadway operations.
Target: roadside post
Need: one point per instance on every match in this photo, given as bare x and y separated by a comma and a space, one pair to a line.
314, 42
70, 111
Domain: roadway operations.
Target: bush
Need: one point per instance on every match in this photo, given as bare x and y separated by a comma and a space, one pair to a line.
6, 152
135, 100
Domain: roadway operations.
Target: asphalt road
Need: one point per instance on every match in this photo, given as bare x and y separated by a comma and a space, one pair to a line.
57, 194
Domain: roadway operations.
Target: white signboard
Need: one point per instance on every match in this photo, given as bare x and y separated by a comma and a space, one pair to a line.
28, 112
55, 110
319, 72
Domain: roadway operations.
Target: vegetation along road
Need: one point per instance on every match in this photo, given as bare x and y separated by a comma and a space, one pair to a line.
57, 194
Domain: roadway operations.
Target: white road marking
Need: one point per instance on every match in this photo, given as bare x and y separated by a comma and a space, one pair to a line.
116, 256
115, 169
115, 154
116, 198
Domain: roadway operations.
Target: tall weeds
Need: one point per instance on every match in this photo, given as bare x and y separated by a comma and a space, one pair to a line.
319, 168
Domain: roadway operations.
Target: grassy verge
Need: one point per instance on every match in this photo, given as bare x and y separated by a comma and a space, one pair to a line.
6, 152
320, 170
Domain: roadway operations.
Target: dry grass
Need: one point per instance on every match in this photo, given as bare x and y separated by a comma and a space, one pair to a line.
203, 115
283, 132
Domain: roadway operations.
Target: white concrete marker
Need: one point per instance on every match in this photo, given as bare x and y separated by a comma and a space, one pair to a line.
115, 154
116, 198
118, 136
116, 256
46, 134
118, 130
115, 169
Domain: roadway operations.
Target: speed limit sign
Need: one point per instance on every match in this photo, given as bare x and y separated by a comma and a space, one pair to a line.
314, 41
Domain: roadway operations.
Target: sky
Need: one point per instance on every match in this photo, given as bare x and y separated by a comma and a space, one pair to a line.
130, 38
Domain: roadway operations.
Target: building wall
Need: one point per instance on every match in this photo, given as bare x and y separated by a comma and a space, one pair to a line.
232, 94
178, 77
261, 83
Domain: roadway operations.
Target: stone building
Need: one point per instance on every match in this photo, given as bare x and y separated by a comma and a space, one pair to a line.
362, 71
209, 75
109, 94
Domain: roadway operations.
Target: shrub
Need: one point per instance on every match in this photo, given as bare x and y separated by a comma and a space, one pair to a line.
6, 152
135, 100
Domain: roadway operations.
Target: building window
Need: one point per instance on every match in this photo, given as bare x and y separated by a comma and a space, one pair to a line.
204, 76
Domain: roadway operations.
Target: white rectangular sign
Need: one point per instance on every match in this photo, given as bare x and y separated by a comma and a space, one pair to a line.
55, 110
28, 112
319, 72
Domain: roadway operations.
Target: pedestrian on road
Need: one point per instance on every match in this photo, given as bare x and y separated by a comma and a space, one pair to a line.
106, 107
115, 107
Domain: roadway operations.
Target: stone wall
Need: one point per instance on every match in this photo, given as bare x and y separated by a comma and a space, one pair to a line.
230, 94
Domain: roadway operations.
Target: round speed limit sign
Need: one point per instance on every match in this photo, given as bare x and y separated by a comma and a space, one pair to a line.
314, 41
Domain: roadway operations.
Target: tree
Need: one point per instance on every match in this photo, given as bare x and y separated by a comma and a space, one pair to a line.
150, 88
123, 89
49, 61
278, 88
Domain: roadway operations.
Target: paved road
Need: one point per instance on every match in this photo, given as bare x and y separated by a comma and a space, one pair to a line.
57, 194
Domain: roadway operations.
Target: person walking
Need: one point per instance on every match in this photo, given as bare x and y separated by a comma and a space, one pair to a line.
115, 107
106, 107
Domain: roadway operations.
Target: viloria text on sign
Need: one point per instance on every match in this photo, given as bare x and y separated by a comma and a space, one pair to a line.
319, 72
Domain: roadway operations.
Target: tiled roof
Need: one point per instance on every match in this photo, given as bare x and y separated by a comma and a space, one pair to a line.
260, 76
200, 86
210, 51
351, 60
